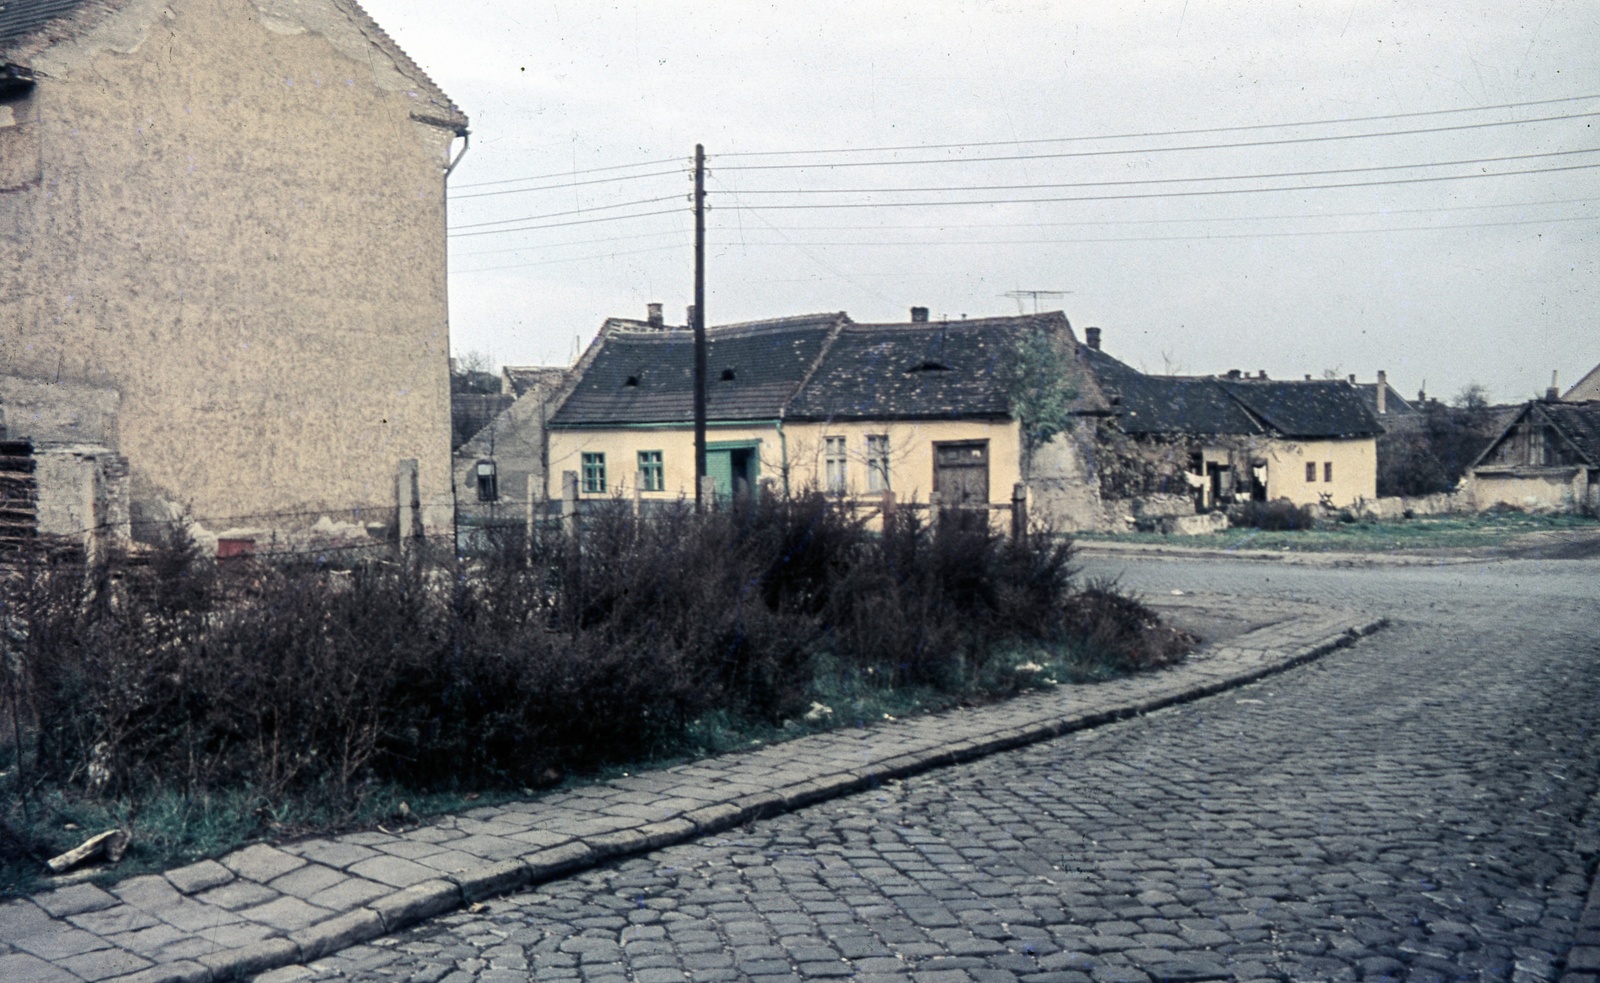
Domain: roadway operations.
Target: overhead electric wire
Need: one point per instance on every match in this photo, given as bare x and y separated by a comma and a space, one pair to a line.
1163, 133
575, 211
1162, 194
573, 173
1162, 180
561, 225
573, 259
1137, 150
564, 186
1171, 238
572, 242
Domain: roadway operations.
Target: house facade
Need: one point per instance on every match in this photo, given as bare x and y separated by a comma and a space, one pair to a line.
1204, 442
1546, 458
814, 402
231, 215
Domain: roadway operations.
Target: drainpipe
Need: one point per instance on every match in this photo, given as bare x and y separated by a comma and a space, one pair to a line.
466, 141
783, 454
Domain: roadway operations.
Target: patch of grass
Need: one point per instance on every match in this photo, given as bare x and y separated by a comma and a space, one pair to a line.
1398, 535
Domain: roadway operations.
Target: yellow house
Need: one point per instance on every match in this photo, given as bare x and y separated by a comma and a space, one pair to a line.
1219, 439
813, 402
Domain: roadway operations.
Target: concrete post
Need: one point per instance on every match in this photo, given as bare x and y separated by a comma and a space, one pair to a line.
638, 494
708, 491
532, 516
887, 510
569, 504
1019, 512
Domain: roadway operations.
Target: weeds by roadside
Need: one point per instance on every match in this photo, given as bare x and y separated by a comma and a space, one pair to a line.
204, 704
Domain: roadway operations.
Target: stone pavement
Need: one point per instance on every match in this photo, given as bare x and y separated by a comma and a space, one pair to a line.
1420, 807
268, 906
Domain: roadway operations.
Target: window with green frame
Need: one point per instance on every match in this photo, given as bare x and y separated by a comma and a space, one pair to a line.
594, 474
651, 475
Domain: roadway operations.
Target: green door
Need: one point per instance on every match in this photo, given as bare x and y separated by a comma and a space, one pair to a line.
719, 468
731, 462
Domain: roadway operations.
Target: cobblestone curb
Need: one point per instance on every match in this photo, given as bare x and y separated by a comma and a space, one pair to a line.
1582, 963
264, 907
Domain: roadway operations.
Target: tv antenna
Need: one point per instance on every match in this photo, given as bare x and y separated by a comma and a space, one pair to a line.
1018, 296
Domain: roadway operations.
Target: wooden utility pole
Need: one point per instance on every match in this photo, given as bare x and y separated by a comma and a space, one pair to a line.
699, 326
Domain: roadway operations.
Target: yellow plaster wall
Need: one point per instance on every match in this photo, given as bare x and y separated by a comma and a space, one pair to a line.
234, 223
1530, 488
1355, 471
910, 454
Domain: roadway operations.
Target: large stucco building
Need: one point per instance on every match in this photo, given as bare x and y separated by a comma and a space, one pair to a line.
230, 215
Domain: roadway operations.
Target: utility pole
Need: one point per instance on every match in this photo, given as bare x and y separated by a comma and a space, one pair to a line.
699, 326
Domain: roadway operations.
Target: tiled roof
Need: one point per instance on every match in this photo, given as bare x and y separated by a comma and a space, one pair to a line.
1155, 404
918, 370
1309, 409
645, 375
1580, 423
25, 21
1208, 406
1393, 403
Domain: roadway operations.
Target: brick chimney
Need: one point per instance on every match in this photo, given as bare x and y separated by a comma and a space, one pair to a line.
1553, 394
689, 317
1261, 373
653, 315
1234, 373
1091, 337
919, 315
1383, 392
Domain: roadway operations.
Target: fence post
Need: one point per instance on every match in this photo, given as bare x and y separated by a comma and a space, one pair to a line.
569, 504
1019, 512
708, 491
638, 494
532, 517
887, 509
408, 504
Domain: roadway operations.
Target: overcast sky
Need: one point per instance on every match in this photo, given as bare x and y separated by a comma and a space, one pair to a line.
1439, 277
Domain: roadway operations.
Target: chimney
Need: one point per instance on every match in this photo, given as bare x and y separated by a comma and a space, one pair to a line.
1234, 373
653, 315
1261, 373
1383, 392
1308, 376
689, 317
1091, 337
1352, 378
1553, 394
919, 315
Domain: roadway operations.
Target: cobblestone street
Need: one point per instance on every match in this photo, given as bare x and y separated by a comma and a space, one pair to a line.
1415, 807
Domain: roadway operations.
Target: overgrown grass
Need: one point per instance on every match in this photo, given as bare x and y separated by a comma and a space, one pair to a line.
1330, 535
202, 706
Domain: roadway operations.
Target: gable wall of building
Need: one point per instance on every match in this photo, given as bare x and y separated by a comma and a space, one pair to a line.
235, 225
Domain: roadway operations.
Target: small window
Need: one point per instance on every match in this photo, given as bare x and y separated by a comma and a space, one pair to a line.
631, 382
929, 366
1311, 470
833, 452
488, 482
1327, 471
727, 375
877, 462
651, 478
594, 474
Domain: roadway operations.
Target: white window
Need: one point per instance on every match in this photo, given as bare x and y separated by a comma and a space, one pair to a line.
835, 464
877, 462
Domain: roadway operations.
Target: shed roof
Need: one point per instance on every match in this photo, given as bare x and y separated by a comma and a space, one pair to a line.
1586, 388
640, 374
41, 23
1209, 406
919, 370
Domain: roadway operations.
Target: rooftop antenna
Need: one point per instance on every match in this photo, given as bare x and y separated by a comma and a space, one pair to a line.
1018, 295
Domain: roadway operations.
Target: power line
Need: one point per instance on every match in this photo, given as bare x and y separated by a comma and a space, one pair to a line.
574, 211
1162, 133
1173, 221
1161, 180
1169, 238
570, 259
564, 186
589, 170
560, 225
1166, 194
1136, 150
573, 242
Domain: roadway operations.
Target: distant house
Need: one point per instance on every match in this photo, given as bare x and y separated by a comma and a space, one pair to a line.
817, 401
1392, 411
230, 216
1587, 388
1221, 439
503, 463
1546, 457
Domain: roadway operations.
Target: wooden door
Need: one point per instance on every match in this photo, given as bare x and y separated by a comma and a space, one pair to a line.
961, 472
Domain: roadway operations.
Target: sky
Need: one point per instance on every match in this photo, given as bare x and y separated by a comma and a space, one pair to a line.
1296, 187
